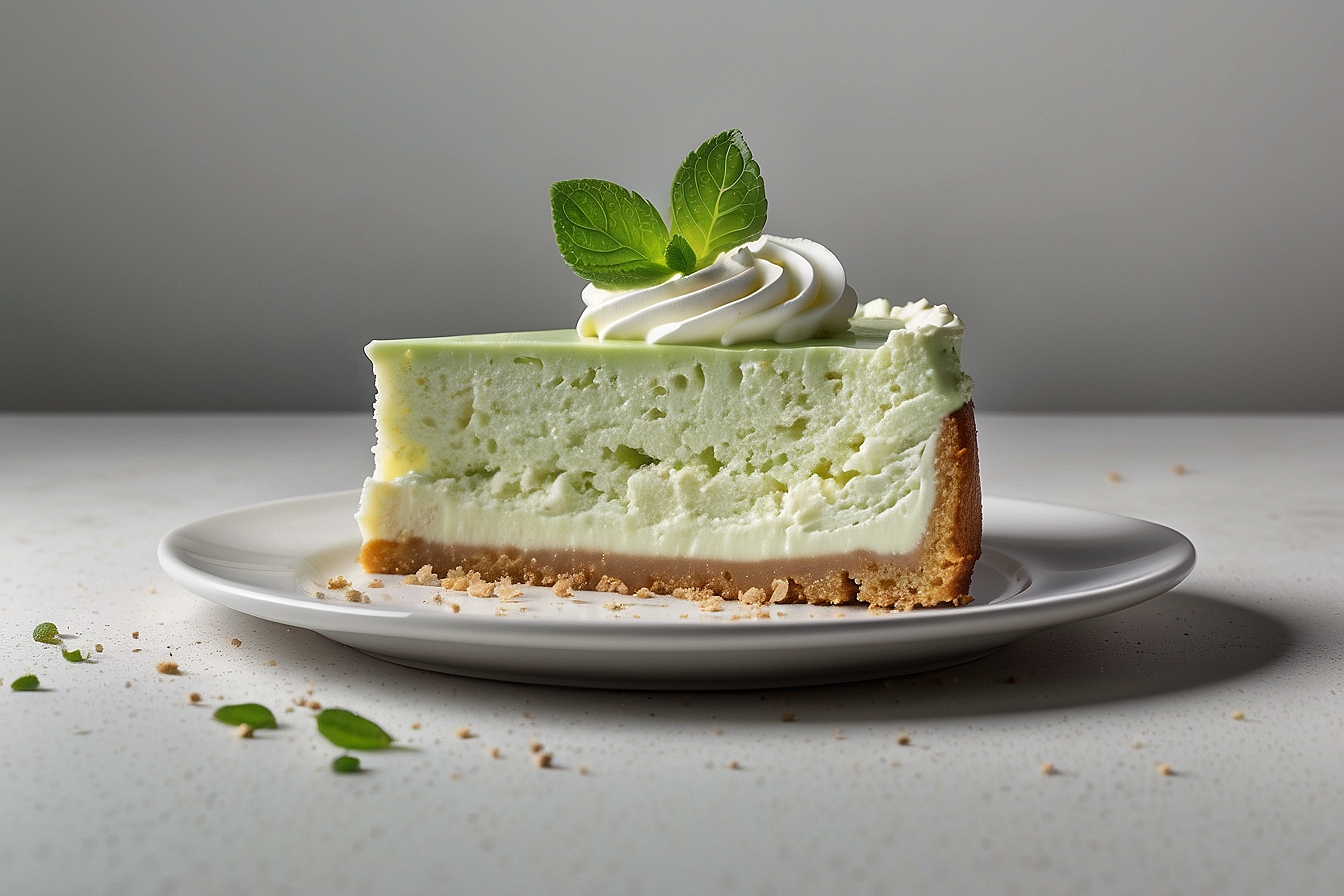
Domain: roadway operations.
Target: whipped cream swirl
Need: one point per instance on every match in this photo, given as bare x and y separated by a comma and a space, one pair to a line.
774, 289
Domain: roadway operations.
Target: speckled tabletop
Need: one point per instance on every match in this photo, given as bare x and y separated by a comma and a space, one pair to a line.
111, 780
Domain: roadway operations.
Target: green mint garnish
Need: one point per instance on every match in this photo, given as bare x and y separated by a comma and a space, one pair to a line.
46, 633
24, 683
679, 255
608, 234
253, 715
351, 732
616, 238
718, 197
73, 656
346, 764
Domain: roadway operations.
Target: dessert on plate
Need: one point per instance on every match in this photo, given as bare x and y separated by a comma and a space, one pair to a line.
724, 420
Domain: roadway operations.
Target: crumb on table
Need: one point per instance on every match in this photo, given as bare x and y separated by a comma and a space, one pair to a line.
1239, 715
338, 583
168, 667
194, 697
563, 587
1047, 768
464, 732
243, 730
541, 760
236, 643
1164, 768
786, 717
423, 576
1114, 476
376, 583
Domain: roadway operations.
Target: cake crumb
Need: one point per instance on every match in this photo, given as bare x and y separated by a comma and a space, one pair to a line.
903, 740
507, 590
615, 607
609, 583
464, 732
500, 611
236, 643
320, 595
479, 588
135, 635
836, 735
492, 752
243, 730
583, 769
732, 764
786, 717
1136, 745
1114, 476
415, 726
753, 597
355, 596
646, 593
271, 663
534, 746
423, 576
1178, 469
563, 587
1047, 768
541, 760
168, 667
779, 591
97, 648
684, 616
455, 607
194, 697
875, 610
1239, 715
338, 583
1164, 768
714, 604
376, 583
135, 650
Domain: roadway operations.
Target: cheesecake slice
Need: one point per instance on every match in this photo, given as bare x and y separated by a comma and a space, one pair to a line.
828, 471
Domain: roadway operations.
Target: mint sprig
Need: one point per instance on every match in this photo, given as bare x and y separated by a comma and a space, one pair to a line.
608, 234
718, 197
616, 238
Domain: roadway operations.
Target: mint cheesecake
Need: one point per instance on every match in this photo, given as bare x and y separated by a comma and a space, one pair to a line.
723, 418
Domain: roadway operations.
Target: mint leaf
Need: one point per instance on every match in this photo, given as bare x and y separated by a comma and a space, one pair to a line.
73, 656
346, 764
679, 255
351, 732
46, 633
24, 683
718, 197
608, 234
253, 715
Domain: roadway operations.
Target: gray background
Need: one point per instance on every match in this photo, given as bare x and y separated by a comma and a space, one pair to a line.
1133, 206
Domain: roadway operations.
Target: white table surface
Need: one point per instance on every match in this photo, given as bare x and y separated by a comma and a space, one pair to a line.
110, 781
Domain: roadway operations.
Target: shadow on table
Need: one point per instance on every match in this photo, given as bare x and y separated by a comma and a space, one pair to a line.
1176, 642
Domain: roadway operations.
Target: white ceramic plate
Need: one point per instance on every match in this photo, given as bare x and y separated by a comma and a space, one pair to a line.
1043, 565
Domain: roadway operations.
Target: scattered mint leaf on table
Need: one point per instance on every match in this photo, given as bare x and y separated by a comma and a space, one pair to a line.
24, 683
346, 764
73, 656
718, 196
252, 714
46, 633
351, 732
608, 234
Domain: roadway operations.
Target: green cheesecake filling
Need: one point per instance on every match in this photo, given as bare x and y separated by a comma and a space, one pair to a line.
553, 441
